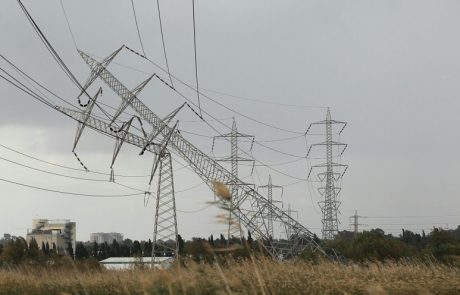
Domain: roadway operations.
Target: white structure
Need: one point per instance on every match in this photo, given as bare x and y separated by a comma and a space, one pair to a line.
58, 232
122, 263
101, 238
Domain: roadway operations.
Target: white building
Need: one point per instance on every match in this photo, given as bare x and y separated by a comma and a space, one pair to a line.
121, 263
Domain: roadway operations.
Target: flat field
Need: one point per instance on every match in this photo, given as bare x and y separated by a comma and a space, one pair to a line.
240, 277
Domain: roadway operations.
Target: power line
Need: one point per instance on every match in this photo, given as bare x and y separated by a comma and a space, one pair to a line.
44, 101
68, 24
263, 101
69, 176
52, 173
195, 211
82, 170
72, 77
216, 102
267, 140
189, 188
415, 216
196, 61
163, 42
217, 120
69, 193
55, 55
137, 27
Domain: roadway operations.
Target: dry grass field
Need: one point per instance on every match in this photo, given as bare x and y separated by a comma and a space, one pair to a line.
246, 277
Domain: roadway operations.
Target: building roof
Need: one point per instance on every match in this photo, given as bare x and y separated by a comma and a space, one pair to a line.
133, 260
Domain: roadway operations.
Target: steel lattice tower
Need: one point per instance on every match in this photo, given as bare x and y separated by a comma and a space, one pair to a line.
234, 225
329, 177
248, 205
270, 186
165, 228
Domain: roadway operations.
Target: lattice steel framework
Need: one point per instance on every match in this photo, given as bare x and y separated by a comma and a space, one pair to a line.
270, 186
234, 224
165, 228
329, 177
249, 204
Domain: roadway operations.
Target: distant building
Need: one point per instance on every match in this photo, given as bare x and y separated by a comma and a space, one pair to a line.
101, 238
57, 233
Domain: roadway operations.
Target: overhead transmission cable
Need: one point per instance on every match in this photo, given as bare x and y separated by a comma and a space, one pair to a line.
80, 178
56, 56
69, 193
137, 27
68, 24
258, 142
218, 132
215, 101
163, 42
263, 101
196, 60
76, 82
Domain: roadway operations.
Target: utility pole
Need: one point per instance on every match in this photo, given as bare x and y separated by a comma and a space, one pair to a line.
329, 176
234, 226
269, 213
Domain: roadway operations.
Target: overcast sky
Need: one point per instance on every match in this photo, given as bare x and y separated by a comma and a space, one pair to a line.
388, 68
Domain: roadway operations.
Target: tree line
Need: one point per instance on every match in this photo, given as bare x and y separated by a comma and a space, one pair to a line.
369, 245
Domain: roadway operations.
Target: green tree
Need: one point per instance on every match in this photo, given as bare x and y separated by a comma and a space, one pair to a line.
199, 250
136, 248
34, 251
47, 248
14, 251
95, 250
114, 249
81, 252
148, 248
180, 244
69, 249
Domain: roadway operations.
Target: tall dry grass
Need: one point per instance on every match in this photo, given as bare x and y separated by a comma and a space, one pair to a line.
252, 276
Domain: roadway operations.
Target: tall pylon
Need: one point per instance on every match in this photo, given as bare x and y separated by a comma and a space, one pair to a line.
329, 175
234, 226
290, 212
355, 222
165, 227
270, 186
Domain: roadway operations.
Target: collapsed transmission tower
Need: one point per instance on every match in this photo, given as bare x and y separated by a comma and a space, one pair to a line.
234, 224
165, 226
270, 186
329, 175
248, 204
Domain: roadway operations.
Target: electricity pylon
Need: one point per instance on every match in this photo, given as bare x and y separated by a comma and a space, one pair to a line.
248, 204
329, 176
165, 225
289, 212
270, 186
355, 222
165, 228
234, 225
